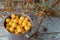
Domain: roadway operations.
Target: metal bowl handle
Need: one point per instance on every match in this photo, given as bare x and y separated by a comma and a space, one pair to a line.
34, 29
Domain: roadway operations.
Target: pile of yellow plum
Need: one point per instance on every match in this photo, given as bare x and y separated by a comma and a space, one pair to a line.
18, 24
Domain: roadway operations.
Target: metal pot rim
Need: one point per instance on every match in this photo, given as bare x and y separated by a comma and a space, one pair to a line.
20, 15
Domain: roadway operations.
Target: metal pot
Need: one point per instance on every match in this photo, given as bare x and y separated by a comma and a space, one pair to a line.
12, 36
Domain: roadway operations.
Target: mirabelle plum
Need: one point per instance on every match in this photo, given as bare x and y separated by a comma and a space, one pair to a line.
22, 18
7, 20
18, 27
26, 28
7, 28
26, 19
13, 16
15, 20
16, 32
24, 24
14, 25
29, 24
11, 29
20, 30
20, 22
7, 25
12, 20
10, 23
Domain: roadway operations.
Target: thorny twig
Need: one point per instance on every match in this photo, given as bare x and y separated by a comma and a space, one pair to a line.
56, 3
